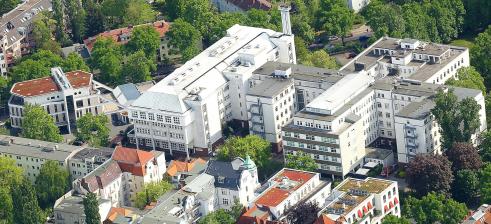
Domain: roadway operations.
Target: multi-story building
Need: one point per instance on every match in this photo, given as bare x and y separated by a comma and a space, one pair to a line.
271, 105
30, 154
69, 209
87, 160
65, 96
185, 112
15, 27
235, 180
283, 192
362, 201
241, 5
388, 85
125, 174
481, 215
123, 35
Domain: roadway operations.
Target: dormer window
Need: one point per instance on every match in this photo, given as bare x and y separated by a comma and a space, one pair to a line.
221, 180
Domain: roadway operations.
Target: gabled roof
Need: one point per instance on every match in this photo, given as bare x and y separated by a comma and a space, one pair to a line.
324, 219
177, 166
102, 176
132, 160
161, 101
226, 175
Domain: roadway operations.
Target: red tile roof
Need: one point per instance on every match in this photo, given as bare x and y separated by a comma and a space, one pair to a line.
132, 160
176, 166
115, 212
275, 195
252, 4
41, 86
160, 26
323, 219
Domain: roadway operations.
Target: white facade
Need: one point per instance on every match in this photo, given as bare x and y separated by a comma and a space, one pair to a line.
357, 5
355, 201
65, 96
185, 112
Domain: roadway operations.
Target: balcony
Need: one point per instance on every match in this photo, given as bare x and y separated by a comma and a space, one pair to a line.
411, 134
410, 144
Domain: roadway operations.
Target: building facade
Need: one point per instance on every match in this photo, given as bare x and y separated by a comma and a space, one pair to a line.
186, 111
65, 96
241, 5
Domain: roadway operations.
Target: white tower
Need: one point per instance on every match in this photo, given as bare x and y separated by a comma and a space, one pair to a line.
285, 18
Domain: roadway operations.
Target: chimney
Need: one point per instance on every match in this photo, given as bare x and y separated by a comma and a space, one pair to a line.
285, 18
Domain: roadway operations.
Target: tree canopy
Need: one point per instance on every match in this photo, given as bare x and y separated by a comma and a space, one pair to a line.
137, 68
106, 57
426, 173
465, 187
25, 204
303, 213
91, 209
464, 156
144, 38
93, 129
186, 38
485, 184
10, 176
392, 219
435, 208
52, 182
301, 161
468, 77
257, 148
151, 192
38, 124
457, 120
480, 55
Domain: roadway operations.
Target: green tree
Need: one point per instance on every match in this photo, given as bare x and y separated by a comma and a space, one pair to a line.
26, 208
93, 129
77, 19
485, 184
220, 216
336, 19
59, 16
74, 62
38, 124
29, 69
480, 55
465, 187
468, 77
138, 12
151, 192
435, 208
91, 209
138, 68
485, 146
385, 18
301, 161
106, 57
426, 173
186, 38
10, 175
42, 33
7, 5
320, 59
52, 182
144, 38
392, 219
458, 120
264, 19
257, 148
222, 23
94, 21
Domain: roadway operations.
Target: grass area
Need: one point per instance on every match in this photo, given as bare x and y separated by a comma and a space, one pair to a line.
469, 43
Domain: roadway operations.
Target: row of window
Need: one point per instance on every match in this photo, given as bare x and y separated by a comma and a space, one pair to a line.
312, 137
157, 117
312, 147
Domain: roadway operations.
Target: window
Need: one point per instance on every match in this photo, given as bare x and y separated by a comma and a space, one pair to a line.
168, 119
150, 116
160, 118
143, 115
177, 120
225, 201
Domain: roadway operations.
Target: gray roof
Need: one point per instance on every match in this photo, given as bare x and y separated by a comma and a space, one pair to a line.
224, 170
463, 93
161, 101
270, 87
301, 72
127, 93
417, 110
77, 48
19, 17
74, 205
88, 153
36, 148
378, 153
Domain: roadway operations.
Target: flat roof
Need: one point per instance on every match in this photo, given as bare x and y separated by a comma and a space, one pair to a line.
41, 86
93, 152
270, 87
417, 110
301, 72
284, 183
36, 148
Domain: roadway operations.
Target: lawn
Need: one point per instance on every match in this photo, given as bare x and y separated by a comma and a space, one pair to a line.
463, 43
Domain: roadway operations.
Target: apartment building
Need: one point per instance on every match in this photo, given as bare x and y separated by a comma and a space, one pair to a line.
123, 35
65, 96
283, 192
235, 180
15, 27
30, 154
365, 201
185, 112
388, 85
270, 104
121, 177
87, 160
241, 5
